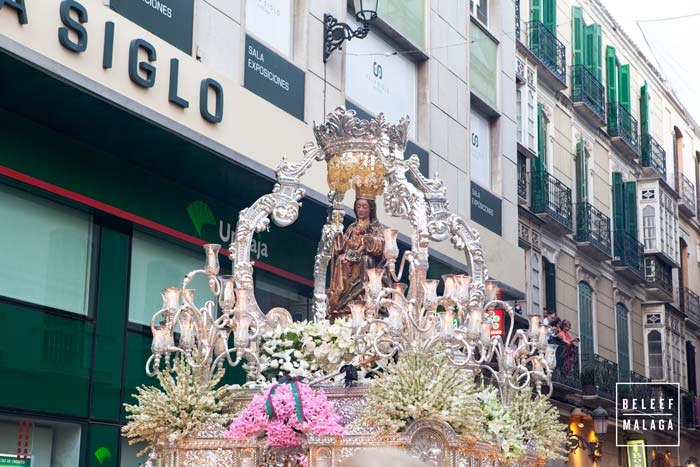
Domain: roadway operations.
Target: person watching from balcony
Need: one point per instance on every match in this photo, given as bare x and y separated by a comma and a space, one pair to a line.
568, 347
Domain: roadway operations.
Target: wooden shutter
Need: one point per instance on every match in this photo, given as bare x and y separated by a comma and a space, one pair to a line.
611, 82
623, 90
538, 162
549, 16
644, 122
585, 316
550, 286
581, 173
623, 352
577, 35
596, 52
631, 209
536, 10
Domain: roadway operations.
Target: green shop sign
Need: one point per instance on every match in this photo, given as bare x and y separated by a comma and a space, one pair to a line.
170, 20
486, 208
11, 460
273, 78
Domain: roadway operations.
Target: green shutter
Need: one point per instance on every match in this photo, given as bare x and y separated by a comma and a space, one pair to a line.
550, 286
624, 86
536, 10
623, 358
596, 52
538, 162
631, 209
644, 121
577, 35
549, 16
618, 214
585, 318
611, 82
581, 173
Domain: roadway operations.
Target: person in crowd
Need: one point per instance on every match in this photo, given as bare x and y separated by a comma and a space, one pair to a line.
568, 347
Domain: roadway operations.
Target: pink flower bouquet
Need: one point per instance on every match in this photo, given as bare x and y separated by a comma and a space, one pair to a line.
292, 416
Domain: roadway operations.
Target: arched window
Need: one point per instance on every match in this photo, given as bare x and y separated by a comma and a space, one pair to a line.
623, 343
585, 318
655, 355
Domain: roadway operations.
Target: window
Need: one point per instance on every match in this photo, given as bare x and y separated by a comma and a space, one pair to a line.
532, 119
519, 112
480, 9
623, 345
526, 111
480, 157
155, 265
483, 66
675, 353
550, 285
585, 317
45, 252
273, 291
271, 21
654, 355
50, 443
668, 225
407, 17
649, 227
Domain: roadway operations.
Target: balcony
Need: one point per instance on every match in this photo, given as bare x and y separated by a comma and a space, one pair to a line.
522, 178
588, 95
689, 410
623, 130
598, 376
567, 372
659, 280
653, 157
687, 204
551, 53
628, 256
551, 201
592, 231
691, 306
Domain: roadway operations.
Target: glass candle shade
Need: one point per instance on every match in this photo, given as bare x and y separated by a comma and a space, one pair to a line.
395, 318
171, 298
485, 331
221, 344
534, 325
211, 263
446, 322
158, 345
227, 299
430, 292
450, 285
241, 337
357, 312
510, 358
187, 332
391, 249
475, 320
375, 281
550, 355
543, 335
464, 282
188, 297
491, 290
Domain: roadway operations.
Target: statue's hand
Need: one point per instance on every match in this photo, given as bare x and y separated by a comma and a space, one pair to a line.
338, 242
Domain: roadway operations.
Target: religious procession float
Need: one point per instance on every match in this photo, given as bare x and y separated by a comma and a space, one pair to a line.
391, 358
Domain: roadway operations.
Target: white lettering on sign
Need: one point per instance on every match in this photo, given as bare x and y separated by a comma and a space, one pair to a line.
164, 9
476, 201
258, 249
260, 68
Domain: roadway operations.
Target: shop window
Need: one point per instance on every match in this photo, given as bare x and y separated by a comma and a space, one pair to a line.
129, 454
155, 265
45, 250
623, 345
480, 10
585, 317
655, 355
483, 66
50, 443
407, 17
649, 226
274, 291
271, 21
480, 154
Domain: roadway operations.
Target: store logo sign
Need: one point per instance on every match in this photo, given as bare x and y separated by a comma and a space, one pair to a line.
201, 214
648, 408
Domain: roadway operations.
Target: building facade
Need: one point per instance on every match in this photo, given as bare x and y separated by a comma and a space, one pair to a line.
608, 215
134, 132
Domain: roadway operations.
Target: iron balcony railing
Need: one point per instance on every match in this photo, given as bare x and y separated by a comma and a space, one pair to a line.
592, 226
517, 20
653, 155
622, 124
658, 274
550, 196
599, 372
545, 45
691, 306
688, 193
587, 89
629, 252
522, 177
567, 371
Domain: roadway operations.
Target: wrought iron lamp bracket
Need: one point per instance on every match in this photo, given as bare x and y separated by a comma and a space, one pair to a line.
576, 442
335, 33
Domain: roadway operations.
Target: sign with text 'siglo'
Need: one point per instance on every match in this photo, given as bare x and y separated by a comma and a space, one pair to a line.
273, 78
171, 20
485, 208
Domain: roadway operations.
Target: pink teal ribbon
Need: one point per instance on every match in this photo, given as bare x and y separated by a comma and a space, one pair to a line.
297, 401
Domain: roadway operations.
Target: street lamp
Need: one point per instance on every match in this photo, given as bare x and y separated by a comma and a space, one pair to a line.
692, 462
335, 32
600, 428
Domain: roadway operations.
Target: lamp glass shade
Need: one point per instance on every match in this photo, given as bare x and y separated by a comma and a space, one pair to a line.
600, 421
366, 10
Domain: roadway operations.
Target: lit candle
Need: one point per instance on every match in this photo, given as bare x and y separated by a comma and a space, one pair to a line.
211, 264
450, 286
391, 249
537, 366
357, 311
430, 290
475, 320
375, 281
227, 299
399, 291
446, 322
171, 298
543, 334
491, 290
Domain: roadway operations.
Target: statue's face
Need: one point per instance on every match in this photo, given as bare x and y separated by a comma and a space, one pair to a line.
362, 208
